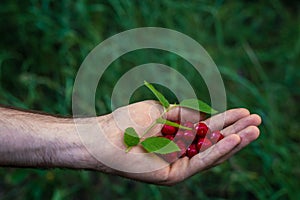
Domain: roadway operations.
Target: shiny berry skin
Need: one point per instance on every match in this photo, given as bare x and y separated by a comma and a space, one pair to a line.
191, 151
185, 135
189, 125
168, 130
170, 137
201, 129
189, 136
179, 135
170, 157
182, 146
215, 136
203, 144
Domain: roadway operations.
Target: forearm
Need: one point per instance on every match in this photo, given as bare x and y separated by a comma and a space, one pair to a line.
36, 140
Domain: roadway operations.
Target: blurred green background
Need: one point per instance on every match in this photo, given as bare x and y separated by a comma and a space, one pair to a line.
255, 44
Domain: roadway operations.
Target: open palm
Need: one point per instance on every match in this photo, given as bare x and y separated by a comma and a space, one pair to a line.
237, 125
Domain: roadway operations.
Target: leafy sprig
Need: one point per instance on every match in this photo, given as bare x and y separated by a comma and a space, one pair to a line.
158, 144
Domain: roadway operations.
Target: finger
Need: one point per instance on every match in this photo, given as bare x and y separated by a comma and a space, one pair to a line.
185, 114
207, 158
247, 135
227, 118
251, 120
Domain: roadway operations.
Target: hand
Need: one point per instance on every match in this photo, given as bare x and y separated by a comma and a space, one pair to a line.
237, 125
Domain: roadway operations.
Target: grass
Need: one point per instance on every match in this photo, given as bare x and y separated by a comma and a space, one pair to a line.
256, 46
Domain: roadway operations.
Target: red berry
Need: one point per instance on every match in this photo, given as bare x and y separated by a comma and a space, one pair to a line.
203, 144
179, 135
168, 130
215, 136
170, 157
201, 129
189, 136
185, 135
182, 146
170, 137
191, 151
189, 125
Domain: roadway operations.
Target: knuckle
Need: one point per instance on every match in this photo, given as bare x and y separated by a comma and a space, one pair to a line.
244, 111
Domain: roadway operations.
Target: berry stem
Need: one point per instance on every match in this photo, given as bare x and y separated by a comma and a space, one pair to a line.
149, 128
155, 122
128, 149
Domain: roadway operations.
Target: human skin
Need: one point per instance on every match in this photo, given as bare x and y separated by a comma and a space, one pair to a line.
35, 140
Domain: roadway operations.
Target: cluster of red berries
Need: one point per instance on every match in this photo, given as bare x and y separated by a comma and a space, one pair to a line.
190, 142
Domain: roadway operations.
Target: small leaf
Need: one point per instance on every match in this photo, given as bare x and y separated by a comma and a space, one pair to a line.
198, 105
164, 102
170, 123
131, 138
159, 145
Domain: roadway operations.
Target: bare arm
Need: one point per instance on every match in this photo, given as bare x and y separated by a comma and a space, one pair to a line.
37, 140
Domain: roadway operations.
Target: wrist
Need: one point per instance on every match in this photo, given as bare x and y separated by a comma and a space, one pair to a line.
36, 140
72, 151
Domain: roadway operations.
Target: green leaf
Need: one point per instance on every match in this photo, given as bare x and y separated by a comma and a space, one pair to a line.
159, 145
164, 102
131, 138
198, 105
170, 123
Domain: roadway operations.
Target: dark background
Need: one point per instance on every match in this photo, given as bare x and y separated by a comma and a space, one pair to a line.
255, 44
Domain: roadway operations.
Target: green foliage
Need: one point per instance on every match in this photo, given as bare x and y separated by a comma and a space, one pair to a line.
131, 138
159, 145
197, 104
256, 46
161, 120
163, 101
